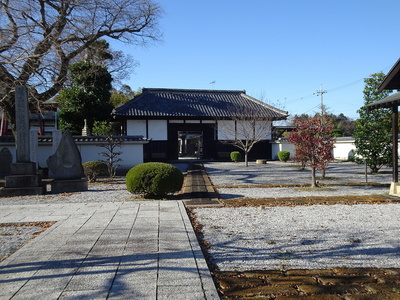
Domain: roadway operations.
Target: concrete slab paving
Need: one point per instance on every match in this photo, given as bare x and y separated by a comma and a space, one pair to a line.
118, 250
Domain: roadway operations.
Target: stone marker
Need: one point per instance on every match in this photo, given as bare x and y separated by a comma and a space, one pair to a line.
24, 179
33, 146
5, 161
22, 124
66, 162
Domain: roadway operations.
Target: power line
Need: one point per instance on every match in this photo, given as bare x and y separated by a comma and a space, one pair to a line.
321, 93
336, 88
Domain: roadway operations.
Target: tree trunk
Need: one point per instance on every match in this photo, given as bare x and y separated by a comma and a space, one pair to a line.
246, 162
313, 178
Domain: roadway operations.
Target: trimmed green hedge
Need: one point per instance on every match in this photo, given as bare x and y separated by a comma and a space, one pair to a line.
154, 179
284, 155
235, 156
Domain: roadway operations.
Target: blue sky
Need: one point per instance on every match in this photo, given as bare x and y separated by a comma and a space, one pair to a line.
280, 51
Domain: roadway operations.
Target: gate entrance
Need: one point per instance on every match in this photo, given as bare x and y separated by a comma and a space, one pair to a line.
190, 144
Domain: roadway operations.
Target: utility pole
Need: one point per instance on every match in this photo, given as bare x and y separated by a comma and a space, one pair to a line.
321, 93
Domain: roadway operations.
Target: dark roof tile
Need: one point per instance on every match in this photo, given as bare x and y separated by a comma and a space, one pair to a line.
196, 103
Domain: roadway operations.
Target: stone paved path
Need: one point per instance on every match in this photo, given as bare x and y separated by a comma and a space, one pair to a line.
198, 190
119, 250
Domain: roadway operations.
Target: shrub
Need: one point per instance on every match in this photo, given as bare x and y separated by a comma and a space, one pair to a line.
351, 156
154, 179
236, 156
284, 155
92, 169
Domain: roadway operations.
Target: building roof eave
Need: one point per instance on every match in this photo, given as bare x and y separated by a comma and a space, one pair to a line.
392, 79
387, 102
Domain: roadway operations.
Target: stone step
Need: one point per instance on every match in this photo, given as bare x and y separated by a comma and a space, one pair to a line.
16, 181
22, 191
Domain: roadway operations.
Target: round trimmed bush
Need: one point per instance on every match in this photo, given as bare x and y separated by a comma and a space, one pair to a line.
284, 155
154, 179
236, 156
92, 169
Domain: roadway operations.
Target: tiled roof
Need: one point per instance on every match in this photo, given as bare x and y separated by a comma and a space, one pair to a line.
173, 103
78, 138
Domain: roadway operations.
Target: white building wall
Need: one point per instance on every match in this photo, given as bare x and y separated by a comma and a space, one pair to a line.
226, 129
158, 130
136, 127
265, 129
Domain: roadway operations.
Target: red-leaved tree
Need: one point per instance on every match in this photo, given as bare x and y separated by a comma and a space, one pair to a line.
313, 144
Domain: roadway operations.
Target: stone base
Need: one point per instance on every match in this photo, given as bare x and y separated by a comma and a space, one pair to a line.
394, 188
22, 191
23, 181
69, 186
26, 168
261, 161
16, 181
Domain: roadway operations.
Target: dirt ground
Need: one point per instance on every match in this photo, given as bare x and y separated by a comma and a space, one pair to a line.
335, 283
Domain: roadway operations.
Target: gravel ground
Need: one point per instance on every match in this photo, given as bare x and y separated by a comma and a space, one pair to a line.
302, 237
234, 174
13, 237
98, 192
276, 237
276, 172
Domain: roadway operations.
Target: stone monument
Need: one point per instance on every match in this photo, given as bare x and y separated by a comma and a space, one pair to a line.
24, 179
6, 159
65, 167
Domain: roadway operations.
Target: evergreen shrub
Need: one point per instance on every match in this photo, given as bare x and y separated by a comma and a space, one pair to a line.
284, 155
154, 179
235, 156
92, 169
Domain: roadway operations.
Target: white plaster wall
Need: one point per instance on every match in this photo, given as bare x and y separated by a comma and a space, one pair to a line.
226, 130
343, 150
282, 146
136, 127
158, 130
264, 129
132, 153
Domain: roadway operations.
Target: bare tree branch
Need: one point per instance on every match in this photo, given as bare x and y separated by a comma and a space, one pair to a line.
39, 39
244, 129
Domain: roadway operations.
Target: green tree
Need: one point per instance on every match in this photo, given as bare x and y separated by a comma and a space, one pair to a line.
373, 128
123, 95
88, 98
40, 39
341, 125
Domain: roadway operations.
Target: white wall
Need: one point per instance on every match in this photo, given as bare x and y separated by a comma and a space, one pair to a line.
136, 127
158, 130
226, 130
132, 153
343, 148
282, 145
